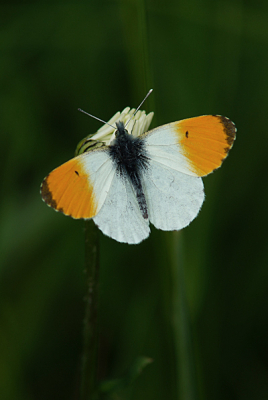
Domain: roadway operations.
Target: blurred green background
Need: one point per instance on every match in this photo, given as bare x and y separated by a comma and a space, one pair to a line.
201, 57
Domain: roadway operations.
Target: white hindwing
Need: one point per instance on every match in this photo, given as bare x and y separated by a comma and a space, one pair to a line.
120, 216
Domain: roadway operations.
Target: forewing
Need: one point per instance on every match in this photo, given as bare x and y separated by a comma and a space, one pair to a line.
195, 146
79, 187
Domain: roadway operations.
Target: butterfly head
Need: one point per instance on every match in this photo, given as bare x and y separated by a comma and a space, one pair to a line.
121, 130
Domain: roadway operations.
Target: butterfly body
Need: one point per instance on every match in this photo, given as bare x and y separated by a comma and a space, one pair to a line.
154, 177
130, 159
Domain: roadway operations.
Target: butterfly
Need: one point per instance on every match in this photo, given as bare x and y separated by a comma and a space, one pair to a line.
154, 177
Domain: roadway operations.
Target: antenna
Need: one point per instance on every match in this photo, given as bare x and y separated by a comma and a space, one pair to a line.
98, 119
104, 122
150, 91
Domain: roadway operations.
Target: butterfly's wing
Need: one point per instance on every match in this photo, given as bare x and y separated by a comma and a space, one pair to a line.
120, 217
173, 198
87, 187
195, 146
79, 187
180, 153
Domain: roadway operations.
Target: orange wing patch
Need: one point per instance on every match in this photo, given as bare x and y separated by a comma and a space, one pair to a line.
68, 189
205, 141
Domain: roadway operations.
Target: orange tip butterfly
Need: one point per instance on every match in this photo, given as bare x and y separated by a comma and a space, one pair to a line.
137, 179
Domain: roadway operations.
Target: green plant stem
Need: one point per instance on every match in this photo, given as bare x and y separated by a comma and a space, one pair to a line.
186, 371
91, 327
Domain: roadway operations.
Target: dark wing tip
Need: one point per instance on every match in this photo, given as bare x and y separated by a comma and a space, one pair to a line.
47, 195
229, 129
